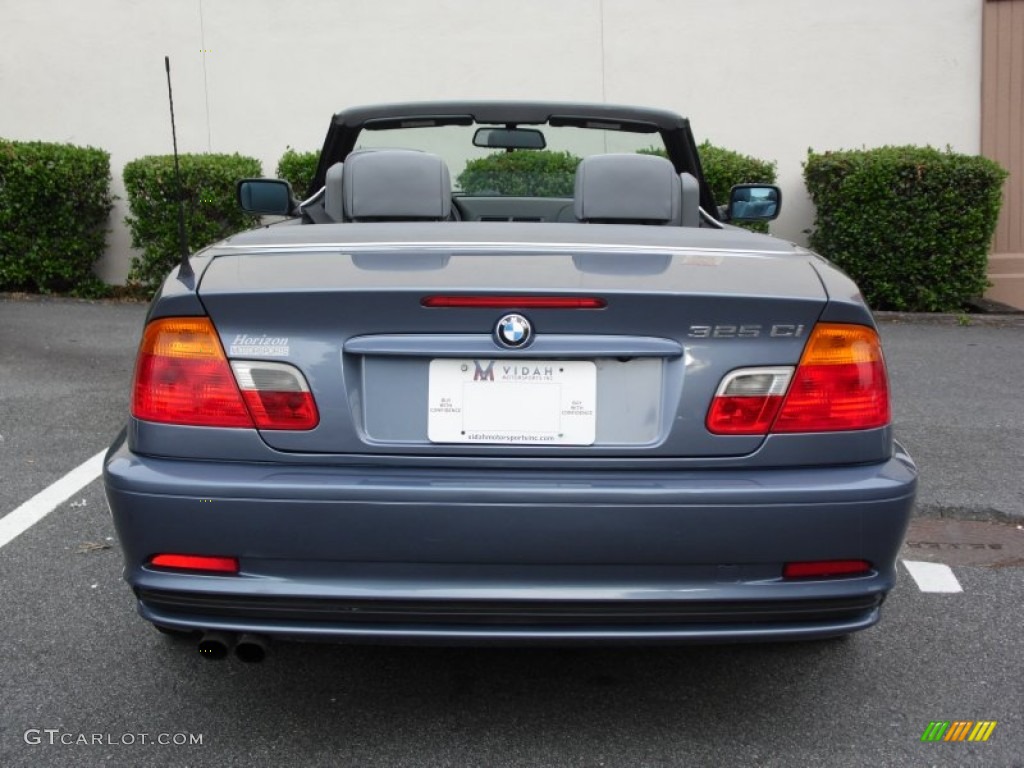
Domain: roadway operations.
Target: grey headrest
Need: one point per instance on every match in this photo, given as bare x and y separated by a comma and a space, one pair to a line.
396, 184
691, 200
332, 192
627, 188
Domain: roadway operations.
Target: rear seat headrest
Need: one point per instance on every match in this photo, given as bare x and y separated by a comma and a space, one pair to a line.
396, 184
628, 188
332, 192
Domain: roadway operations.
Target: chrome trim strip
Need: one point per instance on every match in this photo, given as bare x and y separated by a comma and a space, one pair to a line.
479, 345
312, 199
531, 247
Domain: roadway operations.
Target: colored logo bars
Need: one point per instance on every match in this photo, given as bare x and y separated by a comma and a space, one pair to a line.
958, 730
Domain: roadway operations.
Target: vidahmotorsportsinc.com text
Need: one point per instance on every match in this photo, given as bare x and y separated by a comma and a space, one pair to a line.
500, 438
57, 737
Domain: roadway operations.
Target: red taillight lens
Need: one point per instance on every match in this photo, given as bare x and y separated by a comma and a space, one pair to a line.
282, 410
743, 415
277, 395
824, 568
183, 377
196, 563
748, 400
840, 384
514, 302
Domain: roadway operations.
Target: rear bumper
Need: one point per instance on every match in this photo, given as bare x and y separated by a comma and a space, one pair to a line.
450, 556
498, 622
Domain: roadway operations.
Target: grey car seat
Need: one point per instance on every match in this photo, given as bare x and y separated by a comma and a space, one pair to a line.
395, 185
634, 189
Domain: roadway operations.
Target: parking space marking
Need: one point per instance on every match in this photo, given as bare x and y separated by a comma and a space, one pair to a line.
43, 503
933, 577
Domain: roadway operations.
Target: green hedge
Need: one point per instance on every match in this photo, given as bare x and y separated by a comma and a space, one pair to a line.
54, 204
724, 169
211, 210
912, 225
298, 169
525, 173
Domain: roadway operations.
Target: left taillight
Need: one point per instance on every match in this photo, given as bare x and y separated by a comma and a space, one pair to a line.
276, 394
182, 376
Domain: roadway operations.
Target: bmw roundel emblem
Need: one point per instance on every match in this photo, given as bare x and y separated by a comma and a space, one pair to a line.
513, 331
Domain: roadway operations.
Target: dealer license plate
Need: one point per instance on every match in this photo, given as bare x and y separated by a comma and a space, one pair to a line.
524, 402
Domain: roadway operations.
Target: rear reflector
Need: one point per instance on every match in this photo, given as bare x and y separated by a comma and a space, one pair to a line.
183, 377
514, 302
824, 568
196, 563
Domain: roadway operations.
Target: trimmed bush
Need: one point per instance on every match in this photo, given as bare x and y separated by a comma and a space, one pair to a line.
911, 225
298, 169
524, 173
54, 204
211, 210
724, 169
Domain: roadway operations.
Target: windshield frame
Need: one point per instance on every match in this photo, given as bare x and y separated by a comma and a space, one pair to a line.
680, 145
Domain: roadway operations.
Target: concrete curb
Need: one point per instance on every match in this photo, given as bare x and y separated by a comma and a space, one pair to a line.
44, 298
962, 320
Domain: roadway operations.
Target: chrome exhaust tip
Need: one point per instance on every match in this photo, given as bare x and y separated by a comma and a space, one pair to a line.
215, 645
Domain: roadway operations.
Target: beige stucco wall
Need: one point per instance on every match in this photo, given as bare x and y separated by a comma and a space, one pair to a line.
766, 77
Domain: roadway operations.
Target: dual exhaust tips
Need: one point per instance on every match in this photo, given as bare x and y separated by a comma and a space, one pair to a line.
251, 649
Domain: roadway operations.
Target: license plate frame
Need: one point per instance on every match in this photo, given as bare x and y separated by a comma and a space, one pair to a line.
512, 402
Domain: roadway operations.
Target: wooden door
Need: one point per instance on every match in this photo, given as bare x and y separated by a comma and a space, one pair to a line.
1002, 139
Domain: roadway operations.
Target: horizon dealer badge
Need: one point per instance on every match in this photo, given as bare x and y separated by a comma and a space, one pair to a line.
513, 331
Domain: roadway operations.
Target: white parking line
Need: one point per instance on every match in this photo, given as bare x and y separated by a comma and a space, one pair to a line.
43, 503
933, 577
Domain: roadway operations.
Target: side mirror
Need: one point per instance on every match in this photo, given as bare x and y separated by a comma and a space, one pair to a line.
754, 202
266, 197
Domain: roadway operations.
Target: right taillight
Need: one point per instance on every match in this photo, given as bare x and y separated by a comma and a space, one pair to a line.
840, 384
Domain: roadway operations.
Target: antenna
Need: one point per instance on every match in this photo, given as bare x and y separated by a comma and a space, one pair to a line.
185, 270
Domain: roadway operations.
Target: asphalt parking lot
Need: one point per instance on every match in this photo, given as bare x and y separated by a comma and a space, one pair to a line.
83, 681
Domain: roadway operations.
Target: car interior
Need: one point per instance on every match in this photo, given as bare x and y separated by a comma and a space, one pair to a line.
409, 185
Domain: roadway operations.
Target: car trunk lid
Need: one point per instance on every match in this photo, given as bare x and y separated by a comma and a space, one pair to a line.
392, 374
